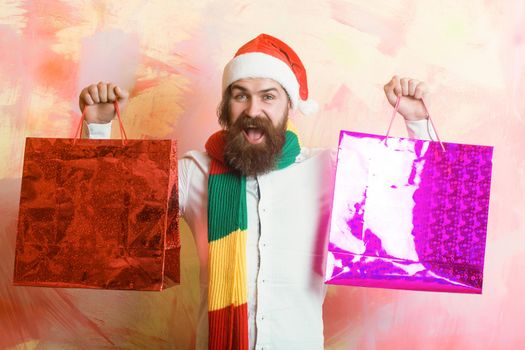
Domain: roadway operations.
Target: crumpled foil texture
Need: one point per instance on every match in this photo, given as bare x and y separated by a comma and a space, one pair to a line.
98, 214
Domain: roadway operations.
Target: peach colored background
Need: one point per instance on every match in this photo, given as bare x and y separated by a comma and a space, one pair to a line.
171, 54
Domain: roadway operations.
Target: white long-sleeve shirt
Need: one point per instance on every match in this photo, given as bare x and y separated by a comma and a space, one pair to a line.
288, 212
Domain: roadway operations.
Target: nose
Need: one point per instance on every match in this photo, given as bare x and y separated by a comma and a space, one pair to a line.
253, 108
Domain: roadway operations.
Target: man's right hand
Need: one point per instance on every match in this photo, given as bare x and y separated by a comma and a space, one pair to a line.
98, 100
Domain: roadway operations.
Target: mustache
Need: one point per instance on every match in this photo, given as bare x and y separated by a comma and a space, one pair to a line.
244, 121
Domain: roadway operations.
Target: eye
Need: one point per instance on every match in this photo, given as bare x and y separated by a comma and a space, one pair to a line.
268, 97
240, 97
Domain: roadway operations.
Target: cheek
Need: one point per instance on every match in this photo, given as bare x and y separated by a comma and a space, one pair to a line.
279, 113
236, 108
235, 112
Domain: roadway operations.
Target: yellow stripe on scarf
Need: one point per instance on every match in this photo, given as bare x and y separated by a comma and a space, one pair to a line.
227, 258
290, 126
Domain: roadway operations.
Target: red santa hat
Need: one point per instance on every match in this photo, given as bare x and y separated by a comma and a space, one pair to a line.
269, 57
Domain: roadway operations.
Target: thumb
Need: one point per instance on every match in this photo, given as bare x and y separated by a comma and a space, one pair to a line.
391, 94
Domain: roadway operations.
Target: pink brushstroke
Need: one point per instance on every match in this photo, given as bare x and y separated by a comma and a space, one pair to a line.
339, 101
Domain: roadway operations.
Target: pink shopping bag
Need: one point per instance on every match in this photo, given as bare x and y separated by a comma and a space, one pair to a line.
409, 214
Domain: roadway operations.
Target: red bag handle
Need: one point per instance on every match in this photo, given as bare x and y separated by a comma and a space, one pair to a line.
396, 108
123, 135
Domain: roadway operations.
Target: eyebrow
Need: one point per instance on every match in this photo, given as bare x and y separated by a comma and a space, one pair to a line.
239, 87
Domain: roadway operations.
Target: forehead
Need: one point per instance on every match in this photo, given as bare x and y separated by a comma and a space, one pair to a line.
257, 84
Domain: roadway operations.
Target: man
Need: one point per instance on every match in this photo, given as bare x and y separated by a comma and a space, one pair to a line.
257, 203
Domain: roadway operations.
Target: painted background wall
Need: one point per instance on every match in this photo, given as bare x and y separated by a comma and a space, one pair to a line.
170, 54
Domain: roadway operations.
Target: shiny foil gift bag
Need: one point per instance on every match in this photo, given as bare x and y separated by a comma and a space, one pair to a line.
409, 214
98, 214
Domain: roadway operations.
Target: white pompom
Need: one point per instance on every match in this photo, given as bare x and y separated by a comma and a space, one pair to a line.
309, 107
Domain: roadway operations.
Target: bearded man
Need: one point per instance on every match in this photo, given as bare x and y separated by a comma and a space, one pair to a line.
257, 202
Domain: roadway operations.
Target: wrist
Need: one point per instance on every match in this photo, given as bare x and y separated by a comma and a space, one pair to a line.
414, 118
98, 121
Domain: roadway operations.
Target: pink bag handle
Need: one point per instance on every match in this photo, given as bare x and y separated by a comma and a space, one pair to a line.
396, 108
123, 135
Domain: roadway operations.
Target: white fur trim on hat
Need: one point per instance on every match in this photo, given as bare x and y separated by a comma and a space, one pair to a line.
308, 107
259, 65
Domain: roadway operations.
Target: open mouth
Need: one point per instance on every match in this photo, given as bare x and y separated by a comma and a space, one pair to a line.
253, 135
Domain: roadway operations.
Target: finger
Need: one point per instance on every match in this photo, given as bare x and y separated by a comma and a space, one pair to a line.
121, 93
404, 86
111, 92
93, 92
412, 84
85, 99
396, 85
421, 90
102, 92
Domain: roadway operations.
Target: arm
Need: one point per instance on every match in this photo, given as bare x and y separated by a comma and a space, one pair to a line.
97, 131
420, 129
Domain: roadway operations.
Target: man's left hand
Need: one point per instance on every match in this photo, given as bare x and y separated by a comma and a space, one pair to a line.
413, 91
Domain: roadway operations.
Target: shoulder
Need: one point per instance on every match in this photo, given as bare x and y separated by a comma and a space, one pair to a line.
198, 159
317, 154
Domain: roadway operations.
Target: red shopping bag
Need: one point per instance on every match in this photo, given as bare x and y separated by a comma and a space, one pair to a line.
409, 214
98, 214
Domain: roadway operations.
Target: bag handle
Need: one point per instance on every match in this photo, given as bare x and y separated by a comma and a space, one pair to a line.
396, 108
123, 135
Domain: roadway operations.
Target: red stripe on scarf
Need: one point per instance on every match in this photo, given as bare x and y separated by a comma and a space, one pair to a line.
226, 322
215, 148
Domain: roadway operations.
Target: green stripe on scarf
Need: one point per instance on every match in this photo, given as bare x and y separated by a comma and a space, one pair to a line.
227, 207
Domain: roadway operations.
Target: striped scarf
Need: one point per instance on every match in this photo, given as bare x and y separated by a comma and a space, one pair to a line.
227, 234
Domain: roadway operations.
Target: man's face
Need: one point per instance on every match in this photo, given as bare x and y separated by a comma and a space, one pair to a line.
258, 98
257, 113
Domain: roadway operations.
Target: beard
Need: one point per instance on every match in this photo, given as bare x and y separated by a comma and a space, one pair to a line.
254, 159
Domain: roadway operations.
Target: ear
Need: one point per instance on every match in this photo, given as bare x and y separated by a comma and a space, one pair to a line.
292, 112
